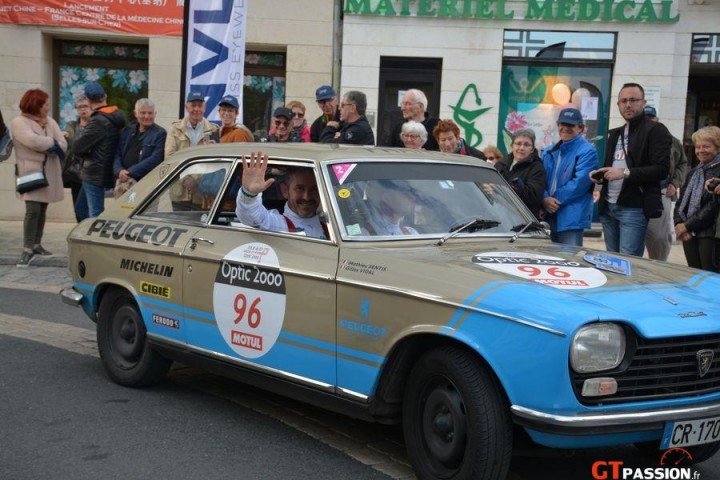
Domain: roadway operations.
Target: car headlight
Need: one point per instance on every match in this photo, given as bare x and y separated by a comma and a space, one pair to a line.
597, 347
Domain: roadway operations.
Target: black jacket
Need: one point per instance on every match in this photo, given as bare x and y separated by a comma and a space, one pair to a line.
97, 145
528, 179
649, 144
317, 128
429, 123
357, 133
702, 224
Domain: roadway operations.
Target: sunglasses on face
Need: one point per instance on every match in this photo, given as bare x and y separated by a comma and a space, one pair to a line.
283, 123
298, 114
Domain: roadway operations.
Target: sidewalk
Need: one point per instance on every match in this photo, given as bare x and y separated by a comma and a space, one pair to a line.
54, 240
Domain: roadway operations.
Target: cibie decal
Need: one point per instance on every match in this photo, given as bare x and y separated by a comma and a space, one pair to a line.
553, 271
249, 299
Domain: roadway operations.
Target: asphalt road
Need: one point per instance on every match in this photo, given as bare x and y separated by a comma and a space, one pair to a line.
61, 418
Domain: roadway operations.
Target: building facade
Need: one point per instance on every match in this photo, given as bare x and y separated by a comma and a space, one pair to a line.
490, 65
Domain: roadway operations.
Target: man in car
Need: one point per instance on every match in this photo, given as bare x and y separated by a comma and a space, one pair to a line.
299, 188
391, 203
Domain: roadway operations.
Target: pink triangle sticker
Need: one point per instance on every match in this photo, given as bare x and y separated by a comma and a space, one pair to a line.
343, 170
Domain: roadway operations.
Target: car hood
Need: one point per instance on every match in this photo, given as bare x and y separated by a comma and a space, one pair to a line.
552, 286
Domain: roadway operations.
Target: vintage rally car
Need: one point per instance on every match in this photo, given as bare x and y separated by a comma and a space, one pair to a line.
434, 299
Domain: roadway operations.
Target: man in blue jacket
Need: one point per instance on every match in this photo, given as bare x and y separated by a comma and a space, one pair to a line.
567, 200
141, 148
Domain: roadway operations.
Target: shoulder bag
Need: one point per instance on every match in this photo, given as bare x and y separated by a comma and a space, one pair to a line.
31, 181
6, 145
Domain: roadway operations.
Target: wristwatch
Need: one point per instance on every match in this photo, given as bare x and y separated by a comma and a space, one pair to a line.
626, 173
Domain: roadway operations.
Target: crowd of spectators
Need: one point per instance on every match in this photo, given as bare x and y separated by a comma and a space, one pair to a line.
641, 186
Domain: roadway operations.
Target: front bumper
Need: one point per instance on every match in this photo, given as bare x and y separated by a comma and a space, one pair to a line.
71, 296
610, 422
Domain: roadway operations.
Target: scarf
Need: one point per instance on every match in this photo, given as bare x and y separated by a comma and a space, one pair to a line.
690, 203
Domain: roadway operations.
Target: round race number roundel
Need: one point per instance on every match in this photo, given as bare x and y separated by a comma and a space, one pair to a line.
553, 271
249, 299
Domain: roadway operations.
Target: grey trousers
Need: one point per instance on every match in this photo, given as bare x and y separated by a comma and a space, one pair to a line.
34, 223
659, 233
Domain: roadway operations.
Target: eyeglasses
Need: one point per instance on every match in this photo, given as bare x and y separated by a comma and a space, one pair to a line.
298, 114
347, 104
410, 136
627, 101
282, 123
407, 104
523, 145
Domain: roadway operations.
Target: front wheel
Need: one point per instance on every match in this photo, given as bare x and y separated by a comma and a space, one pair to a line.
455, 420
122, 343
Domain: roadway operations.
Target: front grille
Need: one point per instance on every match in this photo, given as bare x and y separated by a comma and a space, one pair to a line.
661, 369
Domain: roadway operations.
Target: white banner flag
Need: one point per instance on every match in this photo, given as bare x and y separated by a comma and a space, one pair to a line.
214, 59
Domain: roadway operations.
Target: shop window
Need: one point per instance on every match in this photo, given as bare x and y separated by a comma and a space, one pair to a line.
122, 70
544, 72
263, 89
706, 49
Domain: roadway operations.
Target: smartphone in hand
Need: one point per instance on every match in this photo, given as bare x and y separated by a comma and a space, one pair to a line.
598, 176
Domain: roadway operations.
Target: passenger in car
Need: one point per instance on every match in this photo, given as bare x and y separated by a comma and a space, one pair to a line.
390, 203
299, 187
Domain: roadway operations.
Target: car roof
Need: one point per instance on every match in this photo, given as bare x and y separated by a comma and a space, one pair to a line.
319, 152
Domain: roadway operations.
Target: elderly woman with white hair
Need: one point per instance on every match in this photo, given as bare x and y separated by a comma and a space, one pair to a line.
413, 134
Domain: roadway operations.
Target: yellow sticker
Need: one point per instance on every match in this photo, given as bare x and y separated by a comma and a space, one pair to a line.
344, 193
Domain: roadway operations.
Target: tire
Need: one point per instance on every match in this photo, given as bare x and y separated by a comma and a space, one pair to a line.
121, 338
699, 453
455, 419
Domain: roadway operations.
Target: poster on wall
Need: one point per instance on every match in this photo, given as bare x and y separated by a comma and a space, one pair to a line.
214, 52
142, 17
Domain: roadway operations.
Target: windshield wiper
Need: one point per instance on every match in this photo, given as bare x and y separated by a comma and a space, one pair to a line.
472, 225
532, 225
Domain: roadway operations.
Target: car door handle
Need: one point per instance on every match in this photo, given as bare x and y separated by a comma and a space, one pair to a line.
195, 240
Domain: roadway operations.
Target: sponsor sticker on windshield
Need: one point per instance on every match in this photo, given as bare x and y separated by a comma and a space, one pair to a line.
342, 171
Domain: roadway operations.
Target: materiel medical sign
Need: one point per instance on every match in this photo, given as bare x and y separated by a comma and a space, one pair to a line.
624, 11
143, 17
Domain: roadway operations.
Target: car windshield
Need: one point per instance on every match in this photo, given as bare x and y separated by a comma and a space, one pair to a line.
405, 199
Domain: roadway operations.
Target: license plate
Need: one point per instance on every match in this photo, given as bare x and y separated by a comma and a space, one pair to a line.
692, 432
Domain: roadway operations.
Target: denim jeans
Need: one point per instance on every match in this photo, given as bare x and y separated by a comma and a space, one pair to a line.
90, 202
624, 229
568, 237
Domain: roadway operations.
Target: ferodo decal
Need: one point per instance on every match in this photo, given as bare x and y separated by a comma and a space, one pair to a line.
136, 232
249, 299
164, 321
553, 271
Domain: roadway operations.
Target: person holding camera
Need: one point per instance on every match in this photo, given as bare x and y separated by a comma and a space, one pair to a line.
524, 170
696, 209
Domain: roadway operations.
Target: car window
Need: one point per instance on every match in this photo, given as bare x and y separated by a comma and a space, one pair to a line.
387, 200
191, 193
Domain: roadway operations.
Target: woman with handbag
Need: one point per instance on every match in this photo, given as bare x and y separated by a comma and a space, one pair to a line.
39, 152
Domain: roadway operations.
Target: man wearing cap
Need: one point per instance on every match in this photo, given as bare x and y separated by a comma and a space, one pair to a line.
414, 107
353, 127
327, 101
194, 129
567, 199
282, 118
141, 147
637, 159
96, 148
230, 131
658, 238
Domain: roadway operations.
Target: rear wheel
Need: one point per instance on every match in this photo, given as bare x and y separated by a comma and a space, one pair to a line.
122, 343
699, 453
455, 420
